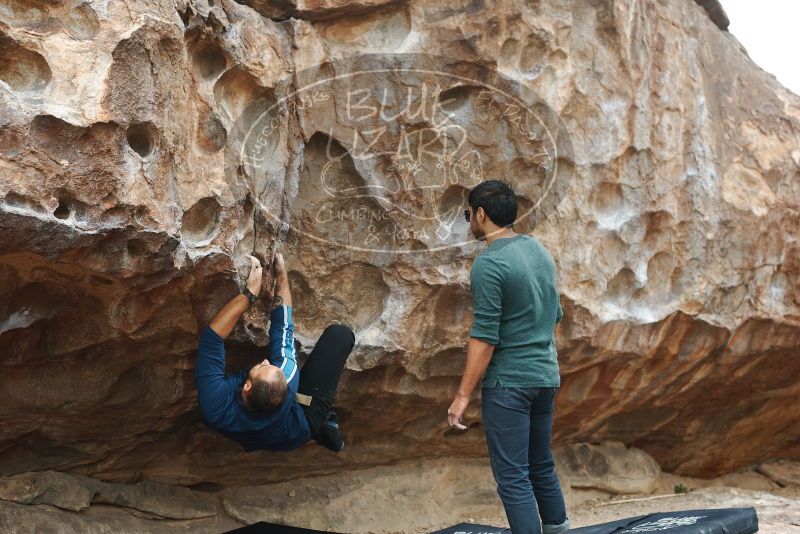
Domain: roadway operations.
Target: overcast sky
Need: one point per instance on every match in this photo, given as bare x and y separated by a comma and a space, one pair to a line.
769, 30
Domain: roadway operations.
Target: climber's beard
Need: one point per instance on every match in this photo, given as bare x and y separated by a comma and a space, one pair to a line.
476, 231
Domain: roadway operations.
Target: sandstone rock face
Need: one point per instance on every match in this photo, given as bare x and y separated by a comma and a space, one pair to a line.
610, 468
783, 473
76, 493
146, 149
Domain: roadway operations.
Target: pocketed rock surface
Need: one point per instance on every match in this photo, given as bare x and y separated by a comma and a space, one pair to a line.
127, 213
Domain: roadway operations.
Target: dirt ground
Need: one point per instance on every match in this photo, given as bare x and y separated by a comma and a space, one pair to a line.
421, 497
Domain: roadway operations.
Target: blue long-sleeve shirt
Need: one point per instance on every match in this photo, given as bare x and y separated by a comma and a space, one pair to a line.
220, 396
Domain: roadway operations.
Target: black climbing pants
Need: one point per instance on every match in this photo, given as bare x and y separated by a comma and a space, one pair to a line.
319, 379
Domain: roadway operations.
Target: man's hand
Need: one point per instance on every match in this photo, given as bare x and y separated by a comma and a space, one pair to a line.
279, 266
224, 321
455, 413
479, 354
255, 277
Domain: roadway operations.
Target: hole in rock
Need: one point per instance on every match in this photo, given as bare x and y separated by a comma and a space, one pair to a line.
534, 53
450, 213
114, 216
21, 202
336, 204
211, 134
254, 127
234, 91
22, 69
454, 199
332, 167
621, 287
168, 247
137, 247
658, 229
26, 14
608, 202
142, 216
245, 227
186, 16
508, 52
457, 97
59, 139
383, 30
660, 268
29, 304
418, 246
209, 60
199, 220
248, 208
62, 211
81, 23
69, 207
140, 138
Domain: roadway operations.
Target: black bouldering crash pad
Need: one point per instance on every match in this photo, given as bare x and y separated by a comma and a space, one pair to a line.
270, 528
721, 521
469, 528
712, 521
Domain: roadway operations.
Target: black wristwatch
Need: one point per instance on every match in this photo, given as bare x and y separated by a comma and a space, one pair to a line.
249, 294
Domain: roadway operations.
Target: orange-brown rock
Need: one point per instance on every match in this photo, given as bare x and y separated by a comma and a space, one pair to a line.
140, 164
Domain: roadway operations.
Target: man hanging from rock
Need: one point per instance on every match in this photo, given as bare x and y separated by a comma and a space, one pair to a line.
273, 405
515, 309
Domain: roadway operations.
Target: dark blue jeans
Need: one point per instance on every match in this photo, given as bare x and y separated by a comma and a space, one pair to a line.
518, 424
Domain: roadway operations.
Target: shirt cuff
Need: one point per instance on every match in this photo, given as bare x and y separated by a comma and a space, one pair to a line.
208, 331
278, 312
488, 337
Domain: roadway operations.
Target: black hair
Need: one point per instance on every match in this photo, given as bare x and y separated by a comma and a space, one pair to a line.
266, 396
497, 199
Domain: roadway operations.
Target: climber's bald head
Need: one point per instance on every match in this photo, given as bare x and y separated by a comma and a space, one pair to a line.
265, 388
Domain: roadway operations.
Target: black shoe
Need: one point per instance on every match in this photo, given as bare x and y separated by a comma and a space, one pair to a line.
334, 422
329, 435
332, 419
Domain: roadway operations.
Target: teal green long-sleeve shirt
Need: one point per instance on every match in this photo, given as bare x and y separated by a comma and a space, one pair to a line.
515, 308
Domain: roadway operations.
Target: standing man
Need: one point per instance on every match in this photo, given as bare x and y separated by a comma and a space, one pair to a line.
516, 307
273, 405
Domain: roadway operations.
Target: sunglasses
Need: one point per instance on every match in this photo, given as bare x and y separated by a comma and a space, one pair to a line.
466, 215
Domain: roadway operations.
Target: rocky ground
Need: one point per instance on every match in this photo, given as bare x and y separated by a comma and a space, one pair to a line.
404, 498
